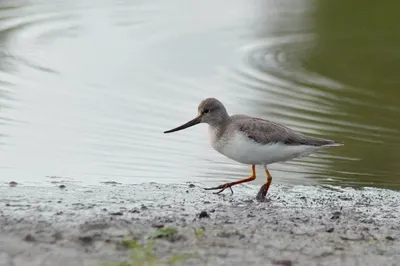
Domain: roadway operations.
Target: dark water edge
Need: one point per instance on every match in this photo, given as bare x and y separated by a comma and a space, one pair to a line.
298, 225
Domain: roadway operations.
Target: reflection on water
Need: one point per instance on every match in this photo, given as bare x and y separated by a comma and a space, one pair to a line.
360, 50
88, 87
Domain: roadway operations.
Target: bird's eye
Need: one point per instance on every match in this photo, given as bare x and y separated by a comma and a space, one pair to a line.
205, 111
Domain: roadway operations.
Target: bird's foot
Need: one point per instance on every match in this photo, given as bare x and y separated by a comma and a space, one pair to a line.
262, 193
221, 187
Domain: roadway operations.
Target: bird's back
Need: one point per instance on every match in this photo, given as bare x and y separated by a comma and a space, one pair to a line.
267, 132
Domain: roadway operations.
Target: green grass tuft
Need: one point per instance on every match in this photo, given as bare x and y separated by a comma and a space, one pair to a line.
143, 255
166, 232
199, 233
179, 258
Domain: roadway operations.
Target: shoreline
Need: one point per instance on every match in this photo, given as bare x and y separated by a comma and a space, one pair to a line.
297, 225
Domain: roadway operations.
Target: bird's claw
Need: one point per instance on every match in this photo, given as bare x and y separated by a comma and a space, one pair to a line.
221, 187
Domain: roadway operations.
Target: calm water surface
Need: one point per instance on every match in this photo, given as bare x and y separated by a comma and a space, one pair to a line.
88, 87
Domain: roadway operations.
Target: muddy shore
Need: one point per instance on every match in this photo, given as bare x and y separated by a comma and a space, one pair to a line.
297, 225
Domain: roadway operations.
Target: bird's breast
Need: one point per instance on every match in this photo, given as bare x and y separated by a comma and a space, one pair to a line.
215, 138
229, 144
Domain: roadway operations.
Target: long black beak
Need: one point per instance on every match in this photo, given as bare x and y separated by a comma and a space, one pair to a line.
188, 124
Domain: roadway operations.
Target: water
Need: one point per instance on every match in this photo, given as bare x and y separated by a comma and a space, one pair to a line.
88, 87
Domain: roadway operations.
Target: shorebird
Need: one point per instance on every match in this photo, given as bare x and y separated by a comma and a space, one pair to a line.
253, 141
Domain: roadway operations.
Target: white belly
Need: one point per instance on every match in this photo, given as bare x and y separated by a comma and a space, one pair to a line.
244, 150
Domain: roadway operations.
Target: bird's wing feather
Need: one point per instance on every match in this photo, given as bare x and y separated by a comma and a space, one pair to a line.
265, 132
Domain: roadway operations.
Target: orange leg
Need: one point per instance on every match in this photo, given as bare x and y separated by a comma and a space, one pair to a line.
269, 180
229, 185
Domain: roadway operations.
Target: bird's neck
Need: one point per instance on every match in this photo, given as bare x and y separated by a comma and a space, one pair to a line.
216, 130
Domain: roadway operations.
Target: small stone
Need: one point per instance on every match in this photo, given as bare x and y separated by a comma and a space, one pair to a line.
86, 239
344, 198
390, 238
113, 183
330, 230
191, 185
157, 225
227, 234
204, 214
117, 213
57, 236
13, 184
336, 215
29, 238
283, 262
62, 186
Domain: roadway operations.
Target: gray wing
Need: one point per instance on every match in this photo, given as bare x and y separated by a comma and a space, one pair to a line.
264, 132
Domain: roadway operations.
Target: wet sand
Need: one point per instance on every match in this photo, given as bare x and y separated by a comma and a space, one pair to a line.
297, 225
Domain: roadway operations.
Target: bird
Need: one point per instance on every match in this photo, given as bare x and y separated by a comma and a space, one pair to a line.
252, 141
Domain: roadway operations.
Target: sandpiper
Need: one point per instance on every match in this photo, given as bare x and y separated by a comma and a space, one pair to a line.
251, 140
